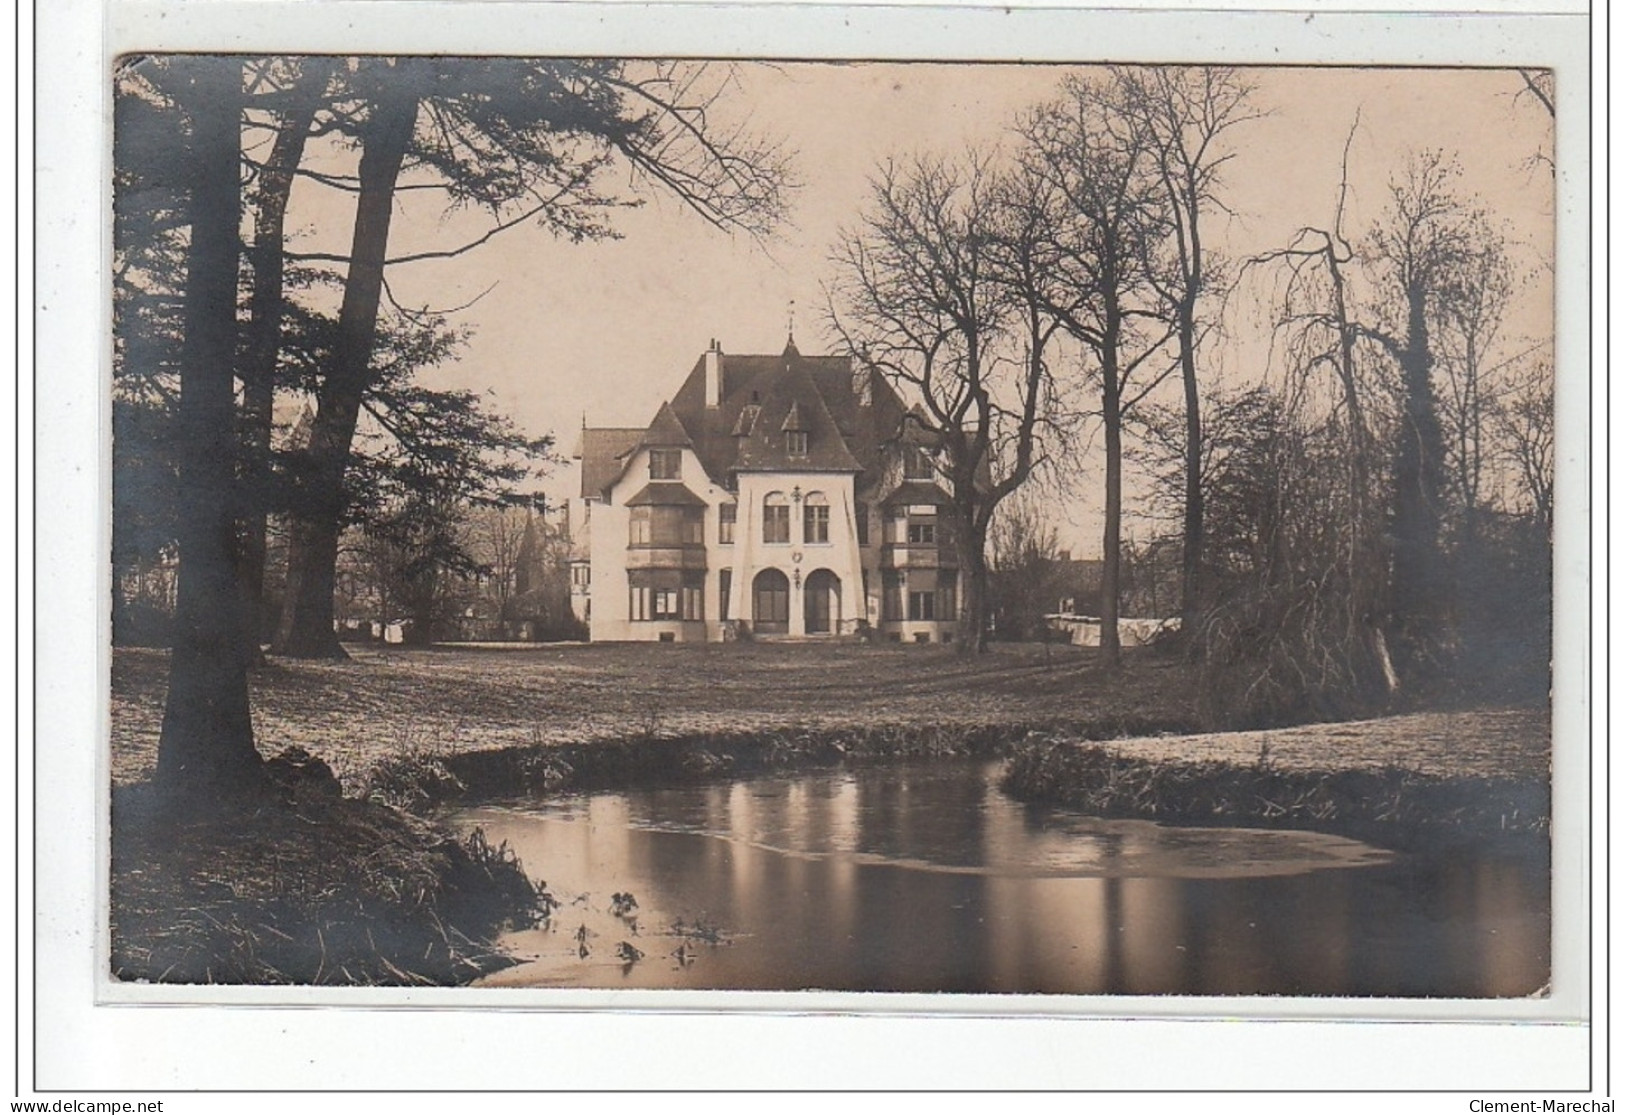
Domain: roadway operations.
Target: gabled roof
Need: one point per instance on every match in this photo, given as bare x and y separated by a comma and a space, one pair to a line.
601, 451
791, 402
850, 415
863, 409
666, 431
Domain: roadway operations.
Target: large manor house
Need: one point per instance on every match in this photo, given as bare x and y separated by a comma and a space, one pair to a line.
783, 496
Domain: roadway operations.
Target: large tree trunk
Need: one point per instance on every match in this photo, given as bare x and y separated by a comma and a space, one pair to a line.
1190, 596
306, 629
971, 548
1420, 587
1111, 409
206, 745
265, 338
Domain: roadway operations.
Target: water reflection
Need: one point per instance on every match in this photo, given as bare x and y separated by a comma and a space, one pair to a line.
927, 878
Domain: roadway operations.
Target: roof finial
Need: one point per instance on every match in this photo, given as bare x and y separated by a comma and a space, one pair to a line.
790, 339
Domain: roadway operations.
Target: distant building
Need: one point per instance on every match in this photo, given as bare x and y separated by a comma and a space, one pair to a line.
772, 496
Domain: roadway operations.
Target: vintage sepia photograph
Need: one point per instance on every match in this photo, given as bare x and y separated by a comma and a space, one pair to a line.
942, 527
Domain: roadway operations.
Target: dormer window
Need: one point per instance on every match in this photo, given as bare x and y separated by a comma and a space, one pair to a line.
665, 464
917, 464
796, 443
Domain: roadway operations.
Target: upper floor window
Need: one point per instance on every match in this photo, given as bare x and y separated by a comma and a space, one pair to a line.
693, 526
796, 442
917, 464
922, 534
775, 518
642, 532
727, 516
815, 518
665, 464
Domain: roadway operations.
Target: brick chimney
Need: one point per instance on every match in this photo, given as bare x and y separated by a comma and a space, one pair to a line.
713, 374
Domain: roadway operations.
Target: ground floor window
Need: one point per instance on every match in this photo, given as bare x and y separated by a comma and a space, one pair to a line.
694, 596
922, 605
725, 584
891, 595
666, 594
665, 603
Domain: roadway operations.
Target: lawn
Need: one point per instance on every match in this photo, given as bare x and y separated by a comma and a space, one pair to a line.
385, 702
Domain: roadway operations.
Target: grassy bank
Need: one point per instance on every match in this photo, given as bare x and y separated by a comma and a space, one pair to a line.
1389, 805
301, 885
421, 780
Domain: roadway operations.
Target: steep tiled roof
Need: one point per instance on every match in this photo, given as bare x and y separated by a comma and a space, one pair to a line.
666, 431
766, 448
849, 418
750, 380
601, 451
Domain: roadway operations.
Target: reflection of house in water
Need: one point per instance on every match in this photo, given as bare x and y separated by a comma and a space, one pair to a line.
783, 495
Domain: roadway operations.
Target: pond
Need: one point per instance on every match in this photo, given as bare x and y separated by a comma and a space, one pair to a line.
927, 877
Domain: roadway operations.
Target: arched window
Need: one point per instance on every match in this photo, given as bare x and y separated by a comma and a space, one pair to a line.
775, 519
815, 518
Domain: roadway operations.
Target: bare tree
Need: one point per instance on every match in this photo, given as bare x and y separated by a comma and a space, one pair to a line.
929, 291
1470, 320
1024, 549
1317, 307
1528, 435
498, 540
1539, 87
1185, 113
1112, 213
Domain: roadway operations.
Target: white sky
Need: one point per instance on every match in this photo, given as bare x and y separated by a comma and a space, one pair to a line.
608, 330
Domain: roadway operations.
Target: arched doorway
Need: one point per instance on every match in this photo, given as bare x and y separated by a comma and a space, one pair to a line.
822, 602
770, 613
